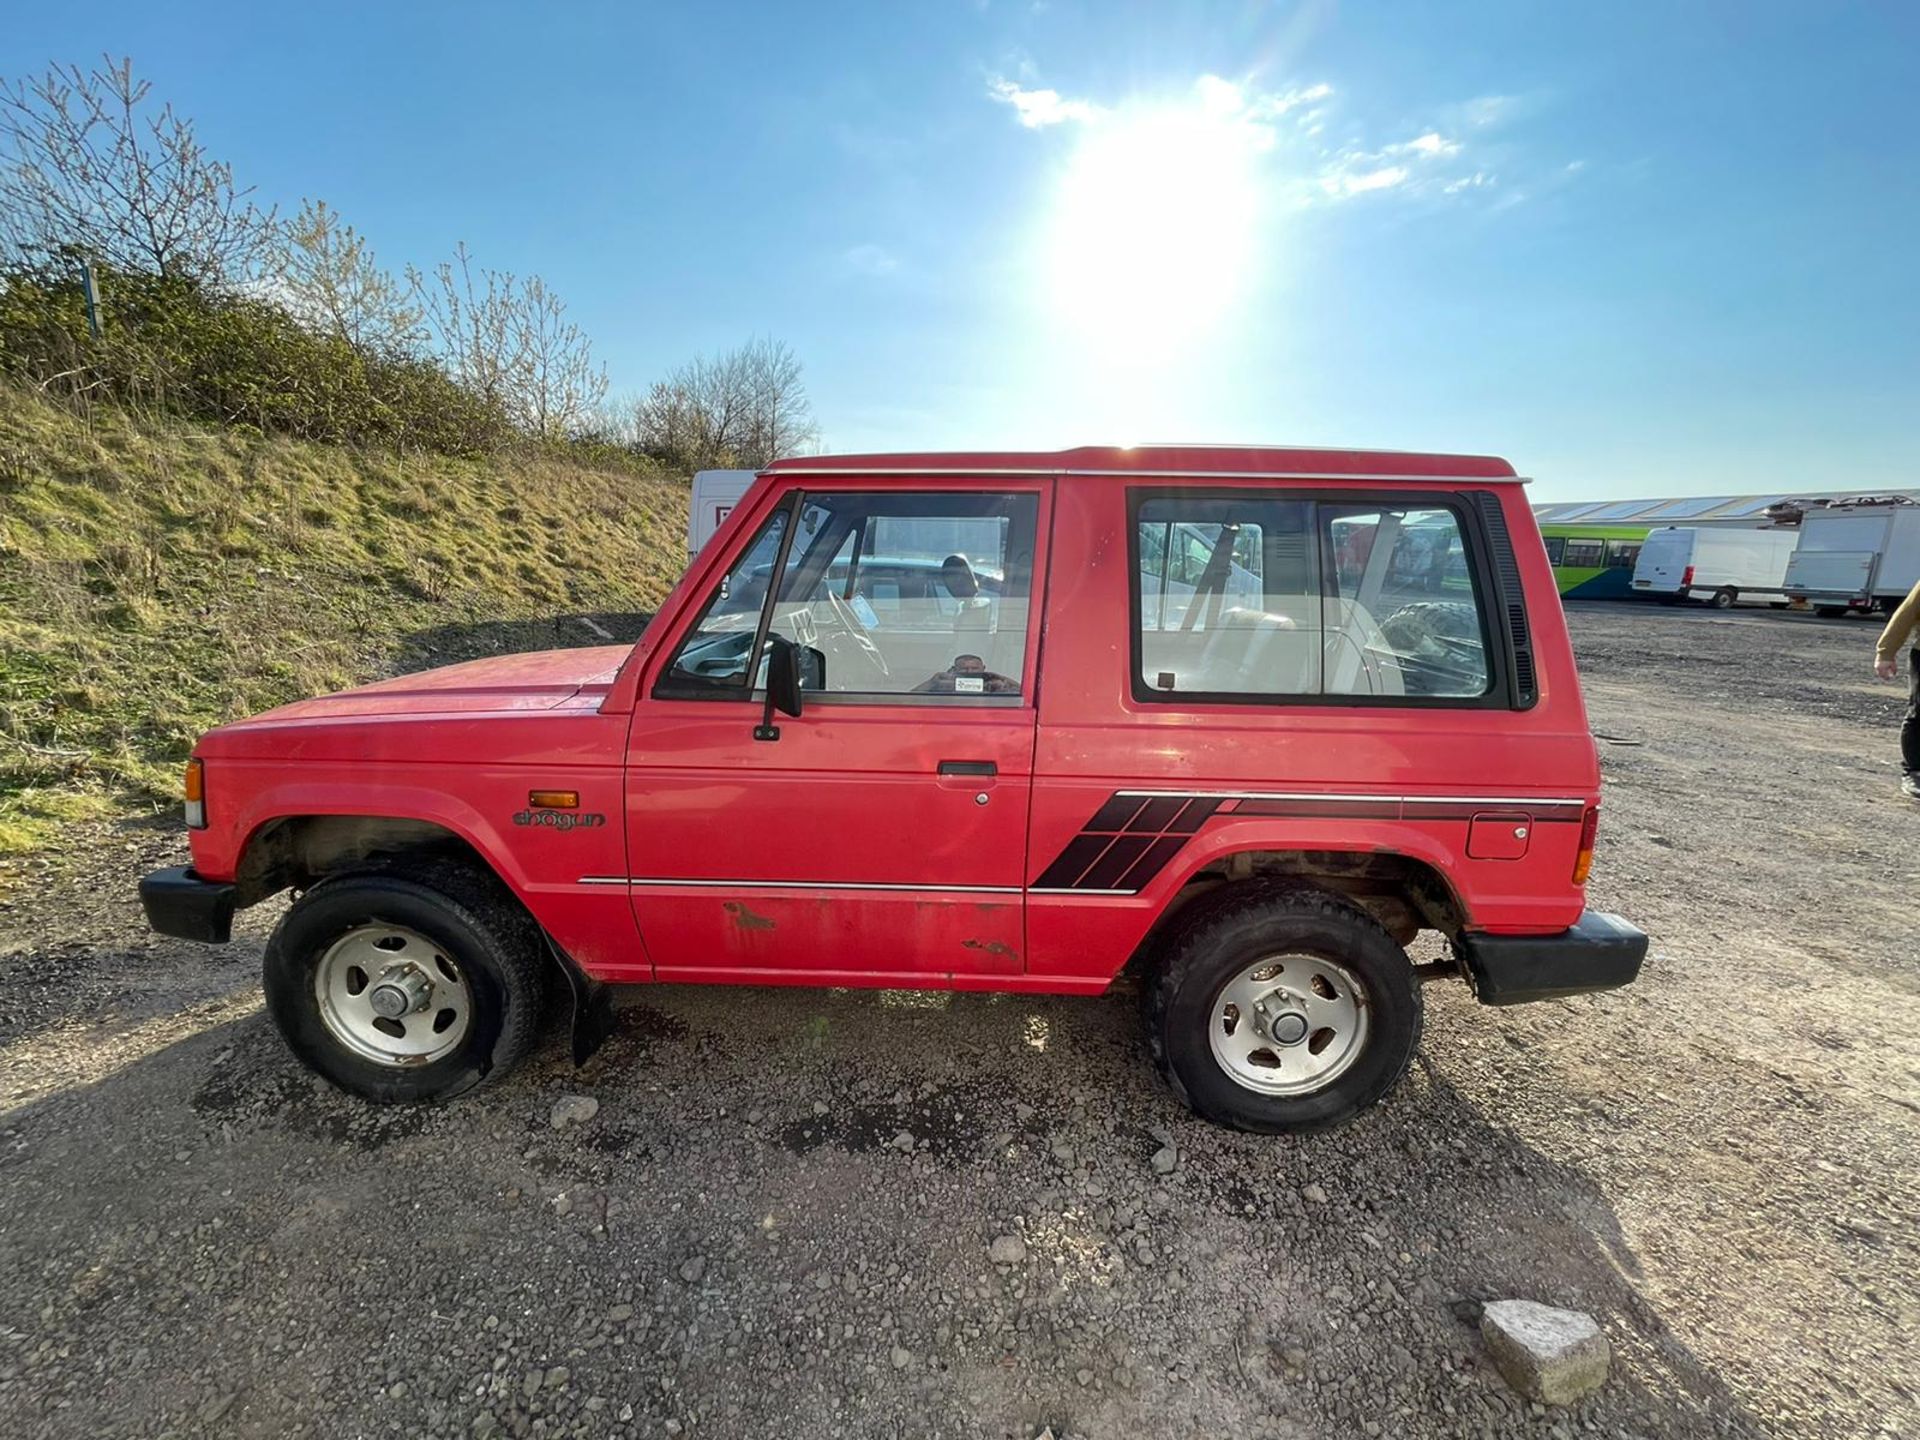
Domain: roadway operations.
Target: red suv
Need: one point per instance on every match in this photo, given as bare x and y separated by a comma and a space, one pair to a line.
1241, 720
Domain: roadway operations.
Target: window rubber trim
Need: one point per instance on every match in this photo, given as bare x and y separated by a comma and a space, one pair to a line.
665, 688
1488, 596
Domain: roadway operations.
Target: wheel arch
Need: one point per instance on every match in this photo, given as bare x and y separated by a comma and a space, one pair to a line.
299, 850
1404, 882
294, 851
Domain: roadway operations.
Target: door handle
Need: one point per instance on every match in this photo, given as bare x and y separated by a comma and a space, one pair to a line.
969, 767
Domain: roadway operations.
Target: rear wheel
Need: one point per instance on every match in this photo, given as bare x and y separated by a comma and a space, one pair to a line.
407, 985
1724, 597
1278, 1008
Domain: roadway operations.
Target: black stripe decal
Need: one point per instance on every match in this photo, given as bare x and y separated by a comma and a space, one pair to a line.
1128, 841
1197, 812
1116, 813
1516, 811
1117, 860
1132, 837
1157, 814
1081, 852
1304, 809
1153, 862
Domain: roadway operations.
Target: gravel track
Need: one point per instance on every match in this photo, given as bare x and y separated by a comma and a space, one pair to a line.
779, 1221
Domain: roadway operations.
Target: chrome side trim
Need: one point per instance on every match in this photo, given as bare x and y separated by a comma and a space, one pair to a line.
658, 883
1512, 801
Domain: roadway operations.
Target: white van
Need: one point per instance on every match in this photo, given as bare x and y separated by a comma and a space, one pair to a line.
1856, 556
715, 493
1682, 562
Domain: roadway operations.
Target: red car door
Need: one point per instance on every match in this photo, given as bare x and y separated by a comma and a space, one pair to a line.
881, 838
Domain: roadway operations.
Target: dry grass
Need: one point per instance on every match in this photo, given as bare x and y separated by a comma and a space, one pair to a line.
158, 578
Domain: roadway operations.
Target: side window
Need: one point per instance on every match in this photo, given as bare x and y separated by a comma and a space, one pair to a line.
912, 594
1584, 554
1404, 619
714, 655
1227, 596
1265, 597
1622, 554
1556, 547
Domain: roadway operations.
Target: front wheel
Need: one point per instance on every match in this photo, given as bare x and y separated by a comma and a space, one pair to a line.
1281, 1008
400, 987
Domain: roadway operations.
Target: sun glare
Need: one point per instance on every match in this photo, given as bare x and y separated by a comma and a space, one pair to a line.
1155, 223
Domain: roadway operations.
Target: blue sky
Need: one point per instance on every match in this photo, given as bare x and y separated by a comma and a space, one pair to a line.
1636, 248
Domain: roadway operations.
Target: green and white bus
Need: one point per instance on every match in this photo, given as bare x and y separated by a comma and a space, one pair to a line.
1594, 562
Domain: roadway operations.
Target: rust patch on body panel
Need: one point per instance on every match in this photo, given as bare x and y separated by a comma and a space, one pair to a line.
744, 918
992, 947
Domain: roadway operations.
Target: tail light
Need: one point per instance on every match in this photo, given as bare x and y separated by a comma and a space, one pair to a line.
1589, 832
1686, 576
195, 790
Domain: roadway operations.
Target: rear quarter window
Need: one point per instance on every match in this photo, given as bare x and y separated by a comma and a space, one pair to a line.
1257, 597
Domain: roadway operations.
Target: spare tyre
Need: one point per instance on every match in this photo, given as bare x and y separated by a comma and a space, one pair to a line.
1440, 647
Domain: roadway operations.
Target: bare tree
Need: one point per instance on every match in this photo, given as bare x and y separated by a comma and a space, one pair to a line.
327, 276
779, 418
509, 342
747, 407
471, 323
559, 387
88, 167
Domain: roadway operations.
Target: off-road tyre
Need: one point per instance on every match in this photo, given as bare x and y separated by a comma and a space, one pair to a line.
489, 936
1427, 633
1214, 939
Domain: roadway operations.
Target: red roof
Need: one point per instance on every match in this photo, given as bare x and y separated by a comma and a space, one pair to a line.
1166, 460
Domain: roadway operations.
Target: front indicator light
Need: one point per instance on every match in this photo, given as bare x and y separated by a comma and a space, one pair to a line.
195, 789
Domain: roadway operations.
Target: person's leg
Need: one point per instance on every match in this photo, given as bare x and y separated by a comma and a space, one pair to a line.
1910, 727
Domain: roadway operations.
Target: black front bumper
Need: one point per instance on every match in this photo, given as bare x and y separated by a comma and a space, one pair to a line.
179, 903
1601, 952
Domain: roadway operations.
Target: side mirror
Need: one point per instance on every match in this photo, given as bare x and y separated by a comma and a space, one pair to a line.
783, 685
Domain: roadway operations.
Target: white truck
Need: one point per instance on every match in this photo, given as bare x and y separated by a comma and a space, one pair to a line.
1681, 562
1856, 556
715, 493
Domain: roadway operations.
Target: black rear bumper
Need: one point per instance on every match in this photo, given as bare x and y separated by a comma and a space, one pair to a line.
179, 903
1601, 952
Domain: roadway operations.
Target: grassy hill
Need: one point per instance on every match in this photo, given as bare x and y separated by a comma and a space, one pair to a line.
158, 577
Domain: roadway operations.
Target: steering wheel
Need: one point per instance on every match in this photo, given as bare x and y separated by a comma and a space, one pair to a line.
860, 635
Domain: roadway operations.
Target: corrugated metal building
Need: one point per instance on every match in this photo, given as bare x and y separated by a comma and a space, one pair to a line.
1744, 511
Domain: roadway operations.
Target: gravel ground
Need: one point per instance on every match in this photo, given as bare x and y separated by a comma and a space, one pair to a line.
785, 1217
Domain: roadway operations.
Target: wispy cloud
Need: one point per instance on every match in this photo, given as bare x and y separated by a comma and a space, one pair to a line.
1038, 109
1280, 102
870, 261
1486, 110
1342, 183
1432, 143
1291, 124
